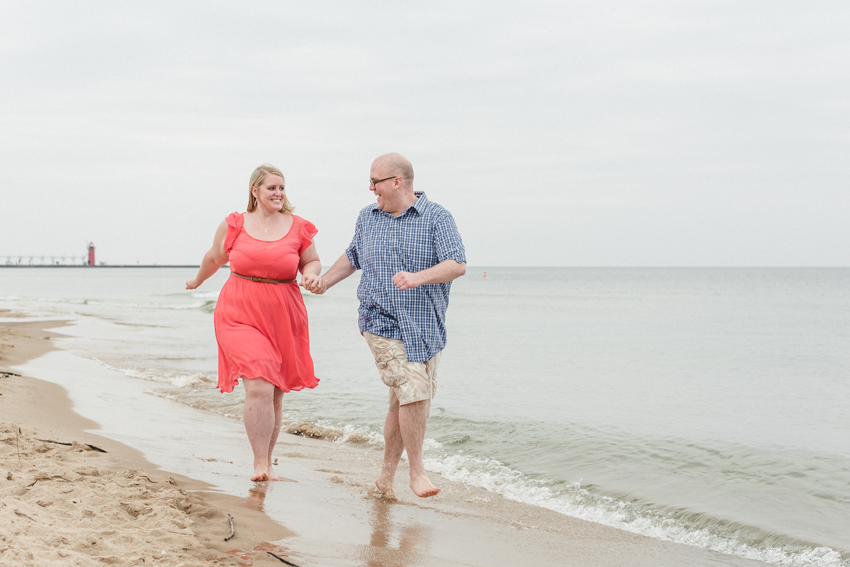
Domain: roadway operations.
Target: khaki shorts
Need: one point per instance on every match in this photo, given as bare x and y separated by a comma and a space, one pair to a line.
408, 381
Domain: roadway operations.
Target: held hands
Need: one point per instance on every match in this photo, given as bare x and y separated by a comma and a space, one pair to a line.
317, 285
313, 284
406, 280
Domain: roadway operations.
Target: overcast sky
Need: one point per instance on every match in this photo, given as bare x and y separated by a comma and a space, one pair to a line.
619, 133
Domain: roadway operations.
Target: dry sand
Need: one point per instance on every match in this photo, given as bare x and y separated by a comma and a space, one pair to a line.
71, 505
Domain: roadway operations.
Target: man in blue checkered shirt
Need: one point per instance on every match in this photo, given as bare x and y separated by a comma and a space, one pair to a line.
410, 251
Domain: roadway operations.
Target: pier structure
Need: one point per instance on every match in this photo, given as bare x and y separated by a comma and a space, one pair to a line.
45, 260
86, 259
72, 261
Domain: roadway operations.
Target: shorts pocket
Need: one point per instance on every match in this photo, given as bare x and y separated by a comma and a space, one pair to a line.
389, 368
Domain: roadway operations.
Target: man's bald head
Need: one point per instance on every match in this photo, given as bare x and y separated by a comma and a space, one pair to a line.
396, 164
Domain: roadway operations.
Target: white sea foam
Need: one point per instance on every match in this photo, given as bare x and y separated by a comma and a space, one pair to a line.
181, 306
578, 502
171, 378
205, 294
360, 434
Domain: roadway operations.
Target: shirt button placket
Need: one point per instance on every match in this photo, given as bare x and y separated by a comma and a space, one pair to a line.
396, 243
399, 268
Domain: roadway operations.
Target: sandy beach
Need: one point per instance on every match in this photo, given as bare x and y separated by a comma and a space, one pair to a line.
70, 504
63, 502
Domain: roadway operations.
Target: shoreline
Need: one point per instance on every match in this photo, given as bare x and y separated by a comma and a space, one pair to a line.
328, 512
100, 266
37, 471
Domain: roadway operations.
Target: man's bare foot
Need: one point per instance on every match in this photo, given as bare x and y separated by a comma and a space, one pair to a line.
422, 487
386, 490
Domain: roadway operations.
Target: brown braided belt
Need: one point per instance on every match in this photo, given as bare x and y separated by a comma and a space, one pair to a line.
263, 280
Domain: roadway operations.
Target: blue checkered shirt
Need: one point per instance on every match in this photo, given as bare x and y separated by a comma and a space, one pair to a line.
383, 245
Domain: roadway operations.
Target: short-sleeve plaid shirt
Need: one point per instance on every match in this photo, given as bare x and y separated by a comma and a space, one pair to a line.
383, 245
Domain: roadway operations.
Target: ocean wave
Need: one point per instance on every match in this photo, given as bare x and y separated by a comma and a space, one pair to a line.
292, 424
205, 302
175, 379
197, 393
204, 305
312, 430
361, 434
205, 294
572, 499
207, 305
682, 527
206, 401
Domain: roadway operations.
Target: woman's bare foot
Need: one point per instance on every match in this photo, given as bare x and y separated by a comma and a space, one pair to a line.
386, 490
422, 487
260, 476
272, 475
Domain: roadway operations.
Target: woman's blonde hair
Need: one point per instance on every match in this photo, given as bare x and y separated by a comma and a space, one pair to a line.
257, 177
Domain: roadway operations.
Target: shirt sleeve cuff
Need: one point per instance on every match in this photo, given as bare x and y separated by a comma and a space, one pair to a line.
352, 259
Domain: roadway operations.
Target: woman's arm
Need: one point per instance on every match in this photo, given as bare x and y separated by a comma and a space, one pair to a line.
310, 266
215, 258
339, 271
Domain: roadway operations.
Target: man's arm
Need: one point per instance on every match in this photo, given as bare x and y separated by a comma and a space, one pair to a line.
339, 271
445, 271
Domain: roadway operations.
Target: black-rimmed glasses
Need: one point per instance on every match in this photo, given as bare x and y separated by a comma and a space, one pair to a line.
373, 182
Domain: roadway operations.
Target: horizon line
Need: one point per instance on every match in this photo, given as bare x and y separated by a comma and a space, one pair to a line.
476, 267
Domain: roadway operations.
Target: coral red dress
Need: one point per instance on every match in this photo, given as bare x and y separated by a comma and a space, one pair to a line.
261, 328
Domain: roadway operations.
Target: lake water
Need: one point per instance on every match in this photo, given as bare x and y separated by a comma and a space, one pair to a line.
702, 406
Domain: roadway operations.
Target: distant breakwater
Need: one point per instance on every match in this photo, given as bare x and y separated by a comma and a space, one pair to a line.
98, 267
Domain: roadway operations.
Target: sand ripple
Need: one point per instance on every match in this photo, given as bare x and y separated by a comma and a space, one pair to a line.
59, 506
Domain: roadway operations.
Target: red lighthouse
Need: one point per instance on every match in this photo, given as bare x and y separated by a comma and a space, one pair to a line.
91, 254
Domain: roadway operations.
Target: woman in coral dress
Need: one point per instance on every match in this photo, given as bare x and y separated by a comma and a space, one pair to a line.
260, 318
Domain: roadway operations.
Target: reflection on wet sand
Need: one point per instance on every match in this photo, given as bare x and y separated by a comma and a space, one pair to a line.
412, 539
257, 495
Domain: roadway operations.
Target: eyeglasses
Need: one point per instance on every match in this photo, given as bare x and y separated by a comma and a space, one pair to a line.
372, 182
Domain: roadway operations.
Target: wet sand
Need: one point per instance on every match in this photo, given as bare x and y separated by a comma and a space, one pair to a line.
327, 513
73, 505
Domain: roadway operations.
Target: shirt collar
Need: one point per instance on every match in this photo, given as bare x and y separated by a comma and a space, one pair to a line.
418, 206
420, 203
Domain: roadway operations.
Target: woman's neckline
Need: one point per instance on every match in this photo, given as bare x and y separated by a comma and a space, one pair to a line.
245, 230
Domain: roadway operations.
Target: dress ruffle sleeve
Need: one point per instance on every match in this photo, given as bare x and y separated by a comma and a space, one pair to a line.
234, 225
308, 231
